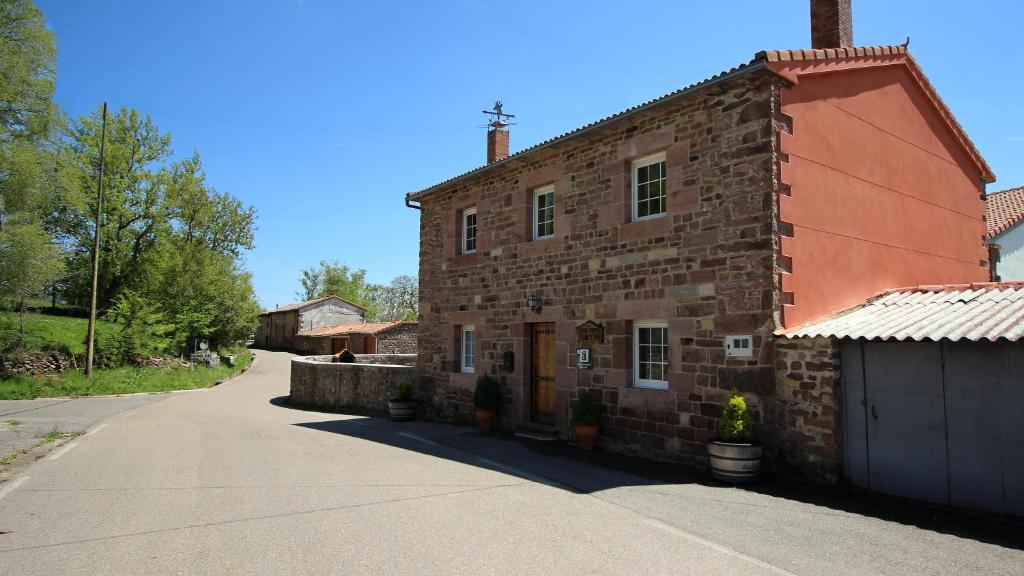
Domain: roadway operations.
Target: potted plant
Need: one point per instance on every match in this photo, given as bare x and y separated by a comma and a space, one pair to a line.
734, 456
487, 399
403, 406
586, 413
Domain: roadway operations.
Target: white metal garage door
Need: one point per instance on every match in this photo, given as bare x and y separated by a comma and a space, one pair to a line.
942, 422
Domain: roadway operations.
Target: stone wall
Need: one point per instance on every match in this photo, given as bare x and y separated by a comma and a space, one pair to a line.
399, 340
359, 387
807, 393
707, 268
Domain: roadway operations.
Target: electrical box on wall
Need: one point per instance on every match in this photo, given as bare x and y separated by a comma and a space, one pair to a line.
739, 346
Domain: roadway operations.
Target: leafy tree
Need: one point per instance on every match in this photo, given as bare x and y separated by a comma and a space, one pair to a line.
27, 72
398, 301
334, 279
134, 212
28, 262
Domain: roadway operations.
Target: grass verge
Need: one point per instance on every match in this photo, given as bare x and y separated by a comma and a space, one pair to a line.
125, 380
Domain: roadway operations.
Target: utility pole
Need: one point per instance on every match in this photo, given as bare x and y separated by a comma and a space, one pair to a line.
91, 342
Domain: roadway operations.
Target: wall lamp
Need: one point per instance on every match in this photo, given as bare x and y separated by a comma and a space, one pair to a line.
535, 303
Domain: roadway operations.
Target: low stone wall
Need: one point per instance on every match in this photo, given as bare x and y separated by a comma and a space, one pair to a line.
397, 359
316, 383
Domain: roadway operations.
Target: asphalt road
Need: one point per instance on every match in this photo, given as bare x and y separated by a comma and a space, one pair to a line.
24, 422
230, 481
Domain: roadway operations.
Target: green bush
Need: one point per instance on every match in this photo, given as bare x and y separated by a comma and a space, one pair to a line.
586, 408
405, 393
736, 424
487, 395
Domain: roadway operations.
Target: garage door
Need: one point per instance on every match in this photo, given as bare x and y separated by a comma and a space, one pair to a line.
936, 421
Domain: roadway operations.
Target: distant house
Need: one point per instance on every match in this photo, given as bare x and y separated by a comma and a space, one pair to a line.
1004, 216
369, 338
278, 327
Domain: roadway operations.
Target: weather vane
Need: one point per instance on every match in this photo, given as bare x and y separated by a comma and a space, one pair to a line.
498, 114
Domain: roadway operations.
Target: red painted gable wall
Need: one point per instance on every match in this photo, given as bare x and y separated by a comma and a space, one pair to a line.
883, 194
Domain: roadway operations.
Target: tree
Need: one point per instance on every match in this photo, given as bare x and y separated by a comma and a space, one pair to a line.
134, 211
397, 301
28, 262
334, 279
27, 72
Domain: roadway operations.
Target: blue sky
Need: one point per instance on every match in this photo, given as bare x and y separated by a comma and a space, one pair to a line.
323, 114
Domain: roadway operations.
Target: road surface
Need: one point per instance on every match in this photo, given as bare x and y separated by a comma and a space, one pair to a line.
232, 481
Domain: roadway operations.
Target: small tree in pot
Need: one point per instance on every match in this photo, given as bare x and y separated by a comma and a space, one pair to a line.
586, 413
487, 399
403, 406
734, 456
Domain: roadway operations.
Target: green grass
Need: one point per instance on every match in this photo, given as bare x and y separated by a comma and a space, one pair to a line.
12, 422
60, 330
125, 380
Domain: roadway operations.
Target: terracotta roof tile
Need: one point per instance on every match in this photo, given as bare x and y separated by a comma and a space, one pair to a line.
370, 328
1004, 210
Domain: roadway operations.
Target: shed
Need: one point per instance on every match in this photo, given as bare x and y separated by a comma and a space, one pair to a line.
932, 393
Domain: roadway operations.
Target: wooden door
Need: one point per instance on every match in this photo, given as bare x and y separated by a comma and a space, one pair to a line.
338, 344
542, 373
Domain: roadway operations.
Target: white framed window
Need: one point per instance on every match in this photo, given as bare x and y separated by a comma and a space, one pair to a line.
649, 187
650, 355
467, 346
544, 212
469, 230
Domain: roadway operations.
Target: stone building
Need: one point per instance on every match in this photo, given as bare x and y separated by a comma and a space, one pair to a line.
652, 255
278, 327
368, 338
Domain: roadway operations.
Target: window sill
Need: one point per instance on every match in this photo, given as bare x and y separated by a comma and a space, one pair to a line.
651, 385
660, 226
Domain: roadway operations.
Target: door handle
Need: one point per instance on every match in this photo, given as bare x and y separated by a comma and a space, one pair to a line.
874, 412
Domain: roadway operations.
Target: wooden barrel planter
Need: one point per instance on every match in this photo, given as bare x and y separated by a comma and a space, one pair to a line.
402, 411
735, 463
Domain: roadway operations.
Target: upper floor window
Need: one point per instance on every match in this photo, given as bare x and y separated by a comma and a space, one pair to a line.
467, 344
469, 230
649, 187
650, 355
544, 212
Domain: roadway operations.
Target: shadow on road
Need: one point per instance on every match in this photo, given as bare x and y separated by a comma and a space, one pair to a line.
566, 467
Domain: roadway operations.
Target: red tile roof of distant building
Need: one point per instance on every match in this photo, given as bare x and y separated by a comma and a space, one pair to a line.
1003, 210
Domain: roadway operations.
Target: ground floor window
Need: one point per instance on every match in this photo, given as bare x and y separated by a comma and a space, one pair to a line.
650, 355
467, 345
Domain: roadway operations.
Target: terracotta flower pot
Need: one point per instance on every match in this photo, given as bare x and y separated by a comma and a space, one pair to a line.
586, 435
485, 419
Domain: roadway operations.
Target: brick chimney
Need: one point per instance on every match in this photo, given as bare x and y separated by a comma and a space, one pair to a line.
831, 24
497, 141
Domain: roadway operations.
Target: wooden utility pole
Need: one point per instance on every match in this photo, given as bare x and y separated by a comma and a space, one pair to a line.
91, 341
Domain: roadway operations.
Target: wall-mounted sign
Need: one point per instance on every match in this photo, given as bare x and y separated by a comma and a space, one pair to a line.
590, 332
584, 358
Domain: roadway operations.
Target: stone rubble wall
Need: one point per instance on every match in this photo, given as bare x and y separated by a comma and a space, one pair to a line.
339, 387
29, 364
807, 397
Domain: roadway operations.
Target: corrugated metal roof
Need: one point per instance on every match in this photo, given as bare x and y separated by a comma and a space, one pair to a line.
343, 329
983, 311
